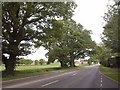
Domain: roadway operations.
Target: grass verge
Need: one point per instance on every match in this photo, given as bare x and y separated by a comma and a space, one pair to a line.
27, 71
112, 73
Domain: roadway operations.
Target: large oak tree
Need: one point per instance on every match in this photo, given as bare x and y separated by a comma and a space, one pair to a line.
25, 23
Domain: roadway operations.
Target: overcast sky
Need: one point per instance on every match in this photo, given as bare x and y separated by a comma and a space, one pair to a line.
88, 13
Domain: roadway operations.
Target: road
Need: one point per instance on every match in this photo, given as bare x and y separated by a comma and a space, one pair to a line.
87, 77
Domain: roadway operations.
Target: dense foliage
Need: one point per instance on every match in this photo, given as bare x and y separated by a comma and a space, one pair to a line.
24, 62
111, 37
67, 42
25, 23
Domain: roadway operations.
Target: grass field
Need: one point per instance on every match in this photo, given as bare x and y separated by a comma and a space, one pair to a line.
110, 72
31, 67
27, 71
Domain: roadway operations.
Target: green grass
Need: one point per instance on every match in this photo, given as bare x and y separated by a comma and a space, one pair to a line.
31, 70
27, 71
31, 67
110, 72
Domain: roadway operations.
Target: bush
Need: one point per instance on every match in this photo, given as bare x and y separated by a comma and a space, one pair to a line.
36, 62
89, 62
42, 61
114, 62
25, 61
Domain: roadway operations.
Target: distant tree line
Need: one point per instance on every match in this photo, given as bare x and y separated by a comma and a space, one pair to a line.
23, 61
40, 62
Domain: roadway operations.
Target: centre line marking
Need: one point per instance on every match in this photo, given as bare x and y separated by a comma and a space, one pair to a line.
50, 83
74, 74
101, 85
35, 81
101, 81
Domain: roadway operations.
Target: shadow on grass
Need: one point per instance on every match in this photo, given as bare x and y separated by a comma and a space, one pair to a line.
35, 72
32, 71
28, 73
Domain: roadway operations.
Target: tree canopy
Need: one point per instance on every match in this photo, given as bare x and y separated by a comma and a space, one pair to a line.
68, 42
25, 23
111, 37
111, 31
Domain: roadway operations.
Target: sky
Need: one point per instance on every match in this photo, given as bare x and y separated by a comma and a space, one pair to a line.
88, 13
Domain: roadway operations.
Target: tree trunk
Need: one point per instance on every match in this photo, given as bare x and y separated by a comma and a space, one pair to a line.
63, 65
10, 65
72, 64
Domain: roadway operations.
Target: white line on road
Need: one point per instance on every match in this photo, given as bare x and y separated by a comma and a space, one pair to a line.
74, 74
101, 81
50, 83
39, 80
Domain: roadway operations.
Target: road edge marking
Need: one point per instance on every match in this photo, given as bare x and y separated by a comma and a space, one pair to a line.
109, 78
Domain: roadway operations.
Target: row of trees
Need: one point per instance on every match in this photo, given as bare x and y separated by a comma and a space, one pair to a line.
23, 61
47, 24
68, 41
111, 37
40, 62
25, 23
108, 53
101, 54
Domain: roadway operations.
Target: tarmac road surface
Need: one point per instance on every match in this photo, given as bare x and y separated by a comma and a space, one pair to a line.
87, 77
